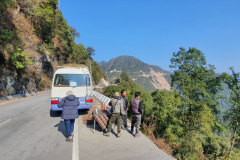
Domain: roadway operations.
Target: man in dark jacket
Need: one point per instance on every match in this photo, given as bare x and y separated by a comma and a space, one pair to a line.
125, 105
136, 109
69, 113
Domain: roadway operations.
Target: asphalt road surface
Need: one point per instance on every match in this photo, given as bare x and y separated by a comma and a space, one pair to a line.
29, 130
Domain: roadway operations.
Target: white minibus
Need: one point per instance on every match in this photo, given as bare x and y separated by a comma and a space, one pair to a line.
76, 79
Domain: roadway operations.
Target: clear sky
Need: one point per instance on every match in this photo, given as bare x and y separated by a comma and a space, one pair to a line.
151, 30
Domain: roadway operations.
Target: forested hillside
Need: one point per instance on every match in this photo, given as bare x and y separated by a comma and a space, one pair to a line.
34, 39
148, 76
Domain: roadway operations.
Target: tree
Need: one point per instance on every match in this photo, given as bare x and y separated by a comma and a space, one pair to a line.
124, 76
198, 88
233, 114
165, 111
91, 51
80, 54
74, 32
117, 81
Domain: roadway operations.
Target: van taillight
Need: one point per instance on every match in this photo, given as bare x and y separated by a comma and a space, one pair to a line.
89, 99
54, 101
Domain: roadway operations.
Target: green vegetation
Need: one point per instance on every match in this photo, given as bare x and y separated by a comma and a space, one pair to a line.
186, 119
126, 64
144, 81
6, 36
198, 89
20, 59
124, 77
7, 4
233, 114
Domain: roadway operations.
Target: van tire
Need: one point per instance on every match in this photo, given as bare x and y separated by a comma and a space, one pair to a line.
55, 113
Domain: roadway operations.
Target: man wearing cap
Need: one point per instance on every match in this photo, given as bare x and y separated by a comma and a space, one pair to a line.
117, 109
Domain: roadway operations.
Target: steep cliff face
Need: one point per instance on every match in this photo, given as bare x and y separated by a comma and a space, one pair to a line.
19, 45
157, 79
34, 40
148, 76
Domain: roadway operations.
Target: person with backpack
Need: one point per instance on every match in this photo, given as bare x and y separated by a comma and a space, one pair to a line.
116, 110
69, 113
136, 109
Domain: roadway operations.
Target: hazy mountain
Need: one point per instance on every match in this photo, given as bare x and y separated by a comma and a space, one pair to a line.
150, 77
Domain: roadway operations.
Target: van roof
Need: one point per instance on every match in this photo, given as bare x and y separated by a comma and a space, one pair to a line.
72, 70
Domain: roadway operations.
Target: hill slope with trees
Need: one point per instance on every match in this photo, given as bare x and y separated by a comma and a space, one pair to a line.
148, 76
34, 39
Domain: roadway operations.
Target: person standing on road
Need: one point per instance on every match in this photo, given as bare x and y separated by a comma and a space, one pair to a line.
136, 109
116, 109
125, 105
69, 113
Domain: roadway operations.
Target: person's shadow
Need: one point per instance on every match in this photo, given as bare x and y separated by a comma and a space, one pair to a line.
61, 128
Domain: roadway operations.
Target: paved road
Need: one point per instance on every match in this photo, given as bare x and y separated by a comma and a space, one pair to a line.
28, 130
113, 148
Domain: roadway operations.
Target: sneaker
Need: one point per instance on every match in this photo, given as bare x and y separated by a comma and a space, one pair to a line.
69, 139
118, 135
107, 134
137, 135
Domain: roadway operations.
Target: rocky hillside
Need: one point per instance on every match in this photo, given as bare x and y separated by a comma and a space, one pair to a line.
148, 76
34, 39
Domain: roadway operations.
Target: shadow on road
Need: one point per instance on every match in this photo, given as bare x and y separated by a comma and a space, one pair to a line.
61, 128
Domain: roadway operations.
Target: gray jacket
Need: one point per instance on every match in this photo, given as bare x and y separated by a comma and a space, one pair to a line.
69, 105
117, 105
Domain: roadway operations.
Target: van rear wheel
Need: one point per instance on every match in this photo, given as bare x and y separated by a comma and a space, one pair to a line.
55, 113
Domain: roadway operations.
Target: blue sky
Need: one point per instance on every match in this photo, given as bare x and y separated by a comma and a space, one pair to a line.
151, 30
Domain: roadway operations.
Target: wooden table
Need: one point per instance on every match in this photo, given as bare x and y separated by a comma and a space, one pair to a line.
102, 118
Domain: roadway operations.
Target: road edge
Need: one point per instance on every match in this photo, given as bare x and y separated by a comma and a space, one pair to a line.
16, 96
13, 98
75, 149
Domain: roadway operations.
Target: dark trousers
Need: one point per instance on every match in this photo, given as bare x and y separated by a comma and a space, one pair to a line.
114, 117
136, 119
124, 118
69, 124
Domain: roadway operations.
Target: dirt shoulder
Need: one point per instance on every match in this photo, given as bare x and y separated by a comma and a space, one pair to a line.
87, 118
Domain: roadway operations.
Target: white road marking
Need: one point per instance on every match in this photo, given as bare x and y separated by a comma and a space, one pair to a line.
75, 150
5, 122
37, 106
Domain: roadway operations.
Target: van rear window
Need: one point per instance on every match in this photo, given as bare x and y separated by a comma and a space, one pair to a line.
71, 80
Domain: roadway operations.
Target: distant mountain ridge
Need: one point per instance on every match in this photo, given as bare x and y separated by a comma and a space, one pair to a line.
150, 77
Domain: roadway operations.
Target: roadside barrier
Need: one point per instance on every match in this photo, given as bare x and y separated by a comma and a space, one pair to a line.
102, 98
